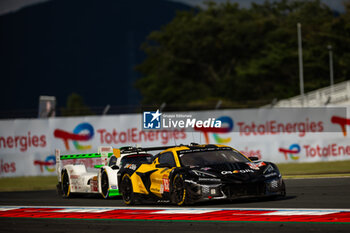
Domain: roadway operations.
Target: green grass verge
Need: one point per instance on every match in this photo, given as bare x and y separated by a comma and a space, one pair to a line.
319, 168
28, 183
316, 176
288, 170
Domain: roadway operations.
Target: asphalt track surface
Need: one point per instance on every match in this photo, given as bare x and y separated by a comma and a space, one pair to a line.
324, 193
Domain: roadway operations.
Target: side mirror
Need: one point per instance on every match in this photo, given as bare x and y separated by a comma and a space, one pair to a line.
115, 167
163, 165
253, 158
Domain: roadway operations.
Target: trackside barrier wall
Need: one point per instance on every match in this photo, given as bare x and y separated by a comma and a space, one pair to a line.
27, 146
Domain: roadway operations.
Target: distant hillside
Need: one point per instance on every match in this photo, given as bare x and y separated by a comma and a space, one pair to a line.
336, 5
84, 46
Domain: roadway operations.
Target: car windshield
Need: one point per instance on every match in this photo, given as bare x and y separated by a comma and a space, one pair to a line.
207, 158
137, 158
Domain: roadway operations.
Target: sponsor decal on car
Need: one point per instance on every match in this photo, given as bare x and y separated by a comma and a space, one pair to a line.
256, 166
271, 174
165, 183
74, 177
237, 171
209, 179
130, 166
93, 185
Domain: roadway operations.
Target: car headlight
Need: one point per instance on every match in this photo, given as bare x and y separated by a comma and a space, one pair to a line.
271, 170
203, 174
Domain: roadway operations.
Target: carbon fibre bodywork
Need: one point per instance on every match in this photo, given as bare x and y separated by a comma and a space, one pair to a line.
189, 174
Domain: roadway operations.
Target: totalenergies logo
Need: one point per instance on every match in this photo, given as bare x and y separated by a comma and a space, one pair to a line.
227, 126
293, 150
343, 122
82, 132
48, 164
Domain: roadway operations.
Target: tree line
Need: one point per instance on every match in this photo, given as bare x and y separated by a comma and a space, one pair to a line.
246, 57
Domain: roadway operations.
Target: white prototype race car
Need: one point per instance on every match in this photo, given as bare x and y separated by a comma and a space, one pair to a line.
95, 172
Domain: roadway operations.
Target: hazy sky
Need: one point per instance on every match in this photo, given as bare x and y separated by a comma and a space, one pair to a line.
334, 4
8, 6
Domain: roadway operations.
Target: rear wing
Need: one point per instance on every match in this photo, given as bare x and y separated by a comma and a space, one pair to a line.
94, 160
130, 149
89, 160
58, 164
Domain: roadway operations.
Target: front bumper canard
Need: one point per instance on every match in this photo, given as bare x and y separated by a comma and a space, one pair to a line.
202, 192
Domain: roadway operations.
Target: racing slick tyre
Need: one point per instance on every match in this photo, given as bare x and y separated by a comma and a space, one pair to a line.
178, 193
65, 184
283, 193
127, 190
104, 184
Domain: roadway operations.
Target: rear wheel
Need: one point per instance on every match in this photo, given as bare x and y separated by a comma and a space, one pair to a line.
127, 190
65, 184
104, 184
178, 194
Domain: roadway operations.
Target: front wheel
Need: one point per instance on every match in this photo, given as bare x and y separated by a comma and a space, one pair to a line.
283, 192
178, 194
127, 190
104, 184
65, 184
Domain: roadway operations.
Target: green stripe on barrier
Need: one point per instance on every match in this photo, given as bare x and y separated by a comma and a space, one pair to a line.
83, 156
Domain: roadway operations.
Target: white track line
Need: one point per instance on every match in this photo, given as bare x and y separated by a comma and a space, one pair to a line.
89, 210
296, 212
108, 208
8, 208
315, 178
184, 211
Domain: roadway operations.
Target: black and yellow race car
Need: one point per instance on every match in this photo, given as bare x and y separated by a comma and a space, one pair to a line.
194, 173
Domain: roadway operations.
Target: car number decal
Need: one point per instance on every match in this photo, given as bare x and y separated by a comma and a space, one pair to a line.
165, 183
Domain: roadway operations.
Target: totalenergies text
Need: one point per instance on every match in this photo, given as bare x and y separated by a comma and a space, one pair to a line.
273, 127
133, 135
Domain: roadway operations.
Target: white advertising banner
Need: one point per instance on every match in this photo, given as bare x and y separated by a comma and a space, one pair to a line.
279, 135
